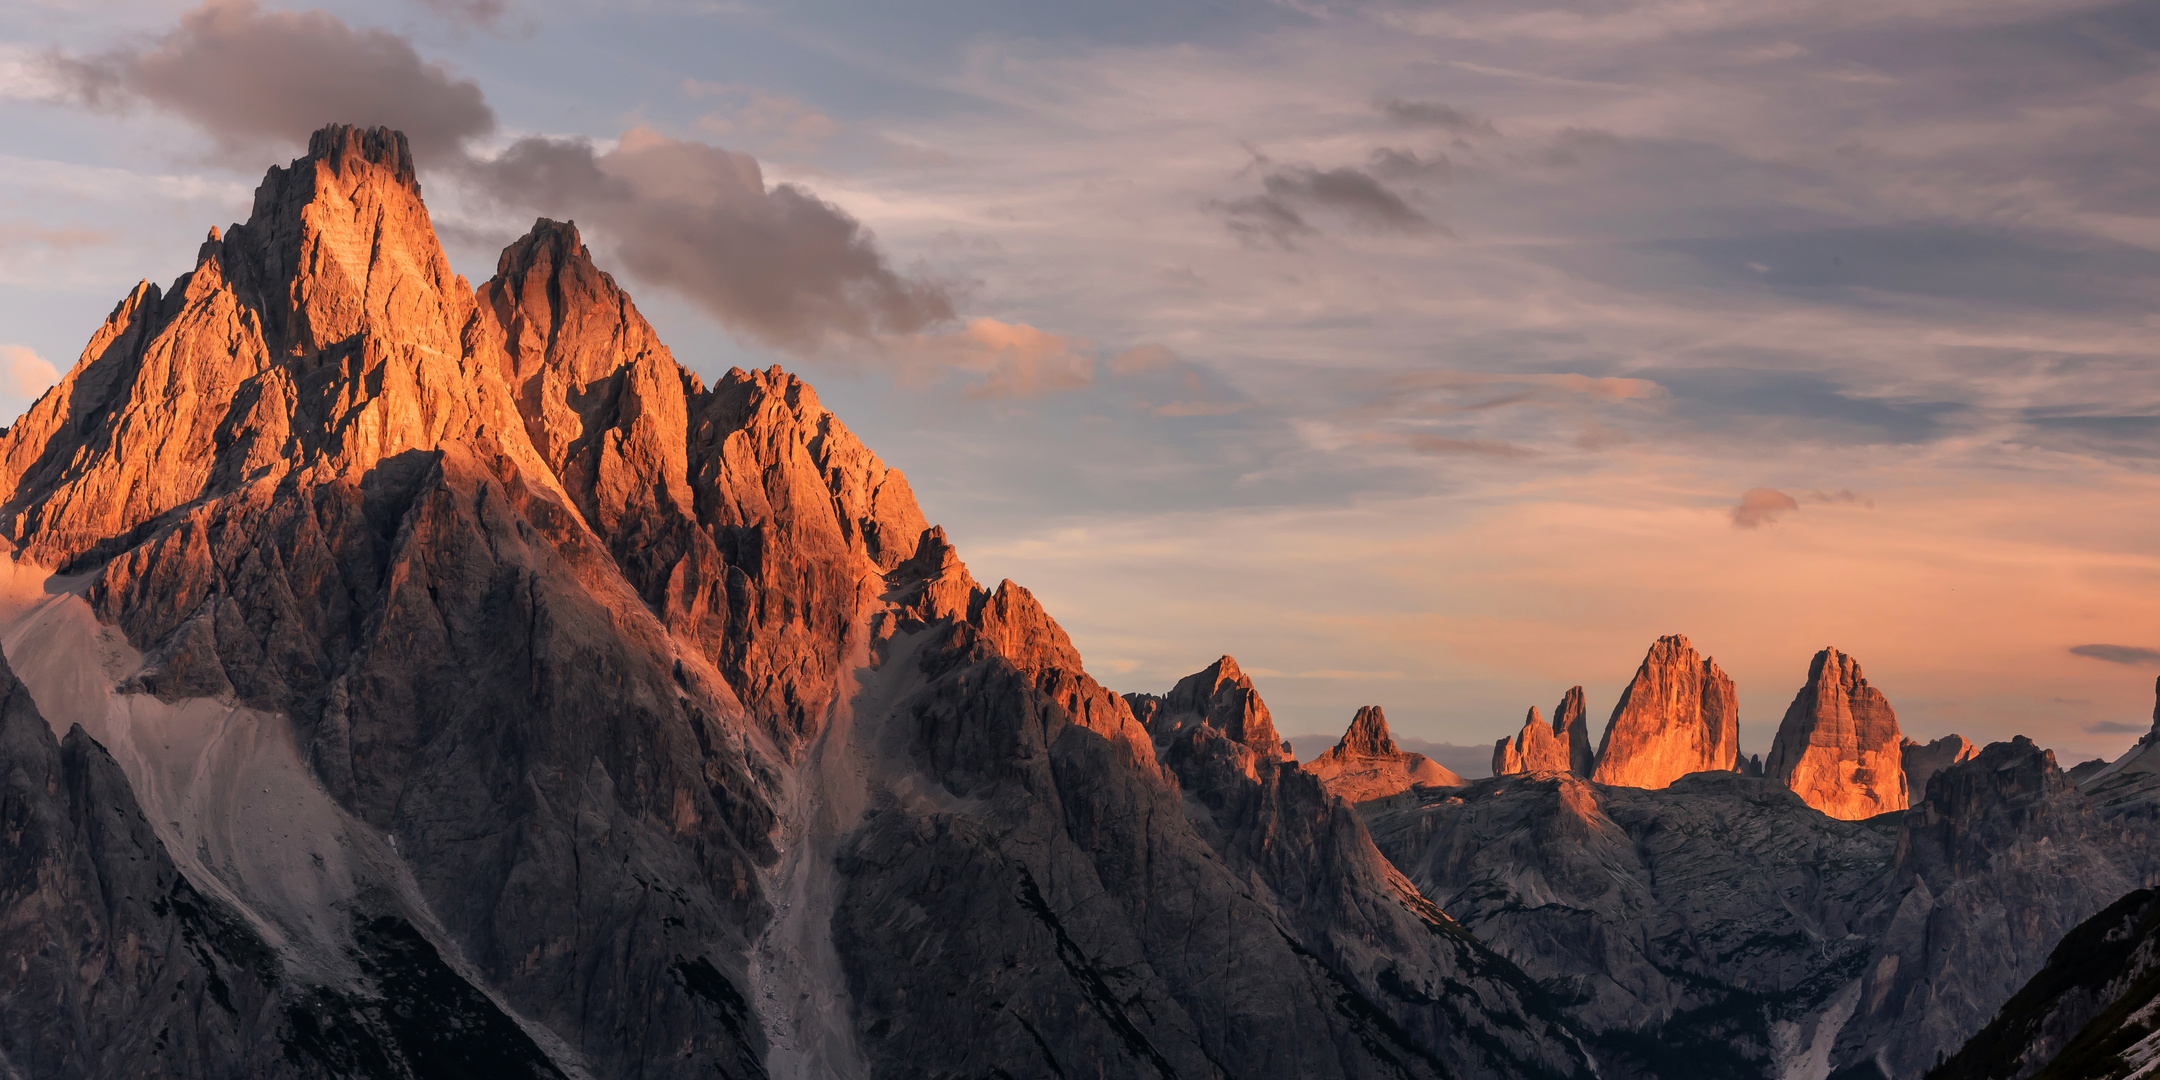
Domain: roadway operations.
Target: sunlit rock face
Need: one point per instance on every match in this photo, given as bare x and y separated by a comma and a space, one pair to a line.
1561, 746
1678, 716
1365, 763
1839, 746
447, 682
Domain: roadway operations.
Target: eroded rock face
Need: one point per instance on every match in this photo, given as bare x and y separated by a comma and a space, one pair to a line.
1365, 764
1839, 746
1923, 760
2003, 857
1678, 716
1562, 746
652, 732
1696, 930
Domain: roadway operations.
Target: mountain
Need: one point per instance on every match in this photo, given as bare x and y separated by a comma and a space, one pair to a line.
1923, 760
1839, 746
414, 680
1679, 715
1562, 746
2087, 1014
1365, 764
1721, 927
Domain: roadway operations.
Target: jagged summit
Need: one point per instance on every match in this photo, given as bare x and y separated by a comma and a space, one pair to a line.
1839, 746
341, 145
1222, 696
1562, 746
1365, 764
1367, 734
483, 678
1678, 716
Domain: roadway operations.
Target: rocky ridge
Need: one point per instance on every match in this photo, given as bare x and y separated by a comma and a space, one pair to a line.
630, 727
1366, 765
1839, 746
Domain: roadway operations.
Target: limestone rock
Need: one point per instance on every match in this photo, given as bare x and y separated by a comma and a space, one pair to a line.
1678, 716
1923, 760
2077, 1016
1366, 765
1562, 746
1221, 696
1839, 746
636, 728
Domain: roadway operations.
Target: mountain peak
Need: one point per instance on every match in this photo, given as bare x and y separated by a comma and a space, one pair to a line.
1367, 734
1839, 746
1679, 715
342, 146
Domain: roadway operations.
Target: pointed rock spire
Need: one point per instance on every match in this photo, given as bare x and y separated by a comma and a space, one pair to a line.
1839, 747
1221, 696
1365, 764
1561, 746
1368, 734
1678, 716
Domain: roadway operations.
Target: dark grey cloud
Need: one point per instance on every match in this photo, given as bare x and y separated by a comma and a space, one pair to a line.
1351, 195
1388, 163
1444, 445
2133, 436
1434, 114
2114, 727
777, 263
2131, 655
1990, 263
247, 77
1803, 404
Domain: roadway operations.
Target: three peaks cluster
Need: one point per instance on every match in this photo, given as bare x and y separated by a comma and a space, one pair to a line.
1838, 746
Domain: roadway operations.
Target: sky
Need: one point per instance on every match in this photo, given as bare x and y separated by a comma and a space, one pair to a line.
1435, 356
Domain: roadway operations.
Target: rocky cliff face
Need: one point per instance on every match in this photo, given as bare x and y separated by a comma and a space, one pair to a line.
494, 696
1365, 764
2087, 1014
1839, 746
1678, 716
1923, 760
1721, 927
1562, 746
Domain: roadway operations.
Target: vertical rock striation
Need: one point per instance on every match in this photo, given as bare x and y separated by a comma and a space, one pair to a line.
1562, 746
1678, 716
1839, 746
1366, 765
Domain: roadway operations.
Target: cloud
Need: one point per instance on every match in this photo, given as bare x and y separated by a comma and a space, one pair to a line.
2132, 655
1355, 197
1392, 164
775, 122
1433, 114
1141, 358
776, 263
1761, 506
27, 373
478, 14
1441, 444
1015, 360
2115, 727
75, 238
246, 77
